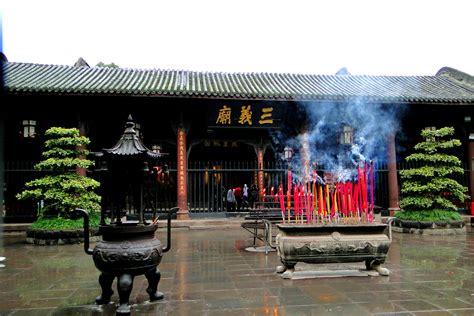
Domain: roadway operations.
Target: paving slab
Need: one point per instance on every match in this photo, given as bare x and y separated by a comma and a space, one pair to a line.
210, 272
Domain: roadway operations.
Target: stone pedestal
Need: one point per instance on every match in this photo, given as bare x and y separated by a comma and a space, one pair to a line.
182, 214
392, 211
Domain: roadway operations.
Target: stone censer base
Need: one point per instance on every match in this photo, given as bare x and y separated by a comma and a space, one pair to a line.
332, 243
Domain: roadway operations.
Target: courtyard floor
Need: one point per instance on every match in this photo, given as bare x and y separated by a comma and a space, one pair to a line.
209, 272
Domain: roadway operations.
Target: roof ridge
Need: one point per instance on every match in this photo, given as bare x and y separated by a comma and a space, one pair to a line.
443, 71
42, 78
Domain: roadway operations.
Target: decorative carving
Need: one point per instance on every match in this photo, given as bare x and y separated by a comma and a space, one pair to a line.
340, 246
127, 255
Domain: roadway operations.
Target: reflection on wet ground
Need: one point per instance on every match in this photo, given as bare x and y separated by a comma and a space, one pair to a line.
208, 272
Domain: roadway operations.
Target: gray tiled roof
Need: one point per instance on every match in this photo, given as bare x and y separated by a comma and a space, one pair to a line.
448, 86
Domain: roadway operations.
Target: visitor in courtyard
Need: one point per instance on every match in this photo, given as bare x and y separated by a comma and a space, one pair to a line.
253, 195
238, 197
245, 195
230, 200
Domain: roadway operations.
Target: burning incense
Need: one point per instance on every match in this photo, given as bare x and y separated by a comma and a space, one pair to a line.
288, 196
338, 199
282, 202
371, 191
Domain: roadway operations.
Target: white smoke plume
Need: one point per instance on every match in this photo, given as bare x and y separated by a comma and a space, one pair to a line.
372, 123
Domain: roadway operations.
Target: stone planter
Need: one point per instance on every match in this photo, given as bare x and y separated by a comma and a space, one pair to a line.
43, 237
424, 225
456, 224
409, 224
332, 244
429, 228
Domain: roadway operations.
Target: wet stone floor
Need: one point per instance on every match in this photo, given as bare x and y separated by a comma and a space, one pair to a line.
209, 272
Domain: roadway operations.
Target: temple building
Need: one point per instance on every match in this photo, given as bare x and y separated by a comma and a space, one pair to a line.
219, 130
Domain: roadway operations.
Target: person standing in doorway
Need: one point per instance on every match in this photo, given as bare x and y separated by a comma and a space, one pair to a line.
245, 195
230, 200
238, 197
253, 195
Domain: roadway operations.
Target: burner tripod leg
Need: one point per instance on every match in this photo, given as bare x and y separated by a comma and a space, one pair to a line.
124, 286
105, 281
153, 276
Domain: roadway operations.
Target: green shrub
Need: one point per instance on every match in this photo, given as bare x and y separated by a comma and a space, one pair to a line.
59, 223
62, 189
429, 191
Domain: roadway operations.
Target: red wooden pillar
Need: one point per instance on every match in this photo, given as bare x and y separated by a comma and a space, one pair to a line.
393, 203
260, 170
182, 170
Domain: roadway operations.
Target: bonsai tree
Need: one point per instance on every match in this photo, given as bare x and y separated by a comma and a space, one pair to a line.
62, 189
428, 192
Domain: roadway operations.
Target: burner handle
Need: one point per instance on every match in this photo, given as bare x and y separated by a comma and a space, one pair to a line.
168, 234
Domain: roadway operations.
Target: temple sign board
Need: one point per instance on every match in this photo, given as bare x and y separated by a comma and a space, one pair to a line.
245, 116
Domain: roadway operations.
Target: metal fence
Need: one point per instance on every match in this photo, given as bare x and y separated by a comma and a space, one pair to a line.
208, 183
17, 173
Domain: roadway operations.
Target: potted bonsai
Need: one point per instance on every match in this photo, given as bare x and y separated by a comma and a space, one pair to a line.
429, 191
62, 189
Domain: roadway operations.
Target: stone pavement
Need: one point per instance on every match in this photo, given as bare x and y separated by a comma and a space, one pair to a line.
204, 223
209, 272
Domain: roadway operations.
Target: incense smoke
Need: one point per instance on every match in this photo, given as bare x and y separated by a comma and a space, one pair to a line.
371, 124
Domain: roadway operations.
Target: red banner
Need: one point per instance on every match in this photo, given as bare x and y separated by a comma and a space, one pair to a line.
182, 170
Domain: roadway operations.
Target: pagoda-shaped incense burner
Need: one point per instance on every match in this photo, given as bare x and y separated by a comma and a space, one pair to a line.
128, 247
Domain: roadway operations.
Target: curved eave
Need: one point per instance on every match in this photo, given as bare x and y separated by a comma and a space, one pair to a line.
23, 78
320, 98
153, 155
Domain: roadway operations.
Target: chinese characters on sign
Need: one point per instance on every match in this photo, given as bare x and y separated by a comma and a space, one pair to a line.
260, 116
260, 170
266, 117
181, 170
245, 115
224, 115
220, 143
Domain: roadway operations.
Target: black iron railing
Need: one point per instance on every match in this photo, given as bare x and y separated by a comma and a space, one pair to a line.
208, 183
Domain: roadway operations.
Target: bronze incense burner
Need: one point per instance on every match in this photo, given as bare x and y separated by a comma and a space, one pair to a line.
125, 252
128, 247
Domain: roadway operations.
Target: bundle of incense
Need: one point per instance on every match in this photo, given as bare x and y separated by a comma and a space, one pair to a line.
282, 202
295, 202
314, 209
309, 215
341, 201
301, 199
288, 194
371, 191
